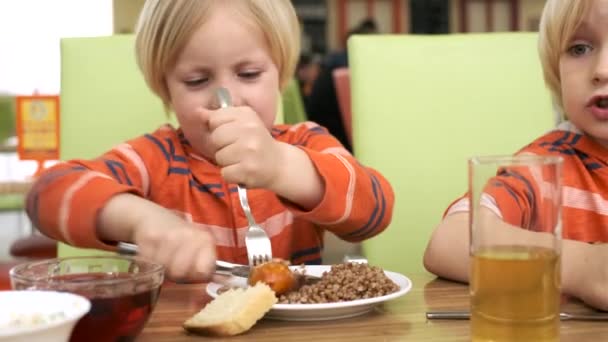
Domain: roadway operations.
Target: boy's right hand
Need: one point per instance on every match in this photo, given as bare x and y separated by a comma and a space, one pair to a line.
186, 251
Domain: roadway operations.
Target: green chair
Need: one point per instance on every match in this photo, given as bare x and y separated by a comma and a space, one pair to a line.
7, 117
9, 201
293, 106
422, 105
104, 101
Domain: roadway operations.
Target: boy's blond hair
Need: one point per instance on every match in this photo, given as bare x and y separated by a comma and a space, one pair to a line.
165, 26
559, 22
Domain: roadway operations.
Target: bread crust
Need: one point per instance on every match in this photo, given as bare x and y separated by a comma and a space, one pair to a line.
251, 305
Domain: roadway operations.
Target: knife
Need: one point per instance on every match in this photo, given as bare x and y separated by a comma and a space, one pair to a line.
564, 316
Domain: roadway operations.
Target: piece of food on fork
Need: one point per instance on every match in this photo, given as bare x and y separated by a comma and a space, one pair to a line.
233, 312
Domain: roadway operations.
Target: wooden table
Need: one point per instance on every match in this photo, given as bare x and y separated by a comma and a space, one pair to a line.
402, 319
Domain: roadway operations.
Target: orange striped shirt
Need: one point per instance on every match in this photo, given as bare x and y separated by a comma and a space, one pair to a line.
584, 184
164, 168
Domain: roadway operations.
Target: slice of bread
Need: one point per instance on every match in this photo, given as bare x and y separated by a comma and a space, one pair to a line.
233, 312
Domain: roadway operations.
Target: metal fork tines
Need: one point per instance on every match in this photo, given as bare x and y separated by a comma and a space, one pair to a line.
258, 245
257, 242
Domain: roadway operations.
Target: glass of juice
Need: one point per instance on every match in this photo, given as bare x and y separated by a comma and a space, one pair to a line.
122, 291
515, 234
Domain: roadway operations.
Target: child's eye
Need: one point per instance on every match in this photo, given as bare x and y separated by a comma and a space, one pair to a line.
579, 49
195, 82
249, 75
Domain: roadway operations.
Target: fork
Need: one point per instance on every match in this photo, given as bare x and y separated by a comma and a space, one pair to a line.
257, 242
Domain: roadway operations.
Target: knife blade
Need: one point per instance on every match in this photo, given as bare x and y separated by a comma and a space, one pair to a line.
564, 316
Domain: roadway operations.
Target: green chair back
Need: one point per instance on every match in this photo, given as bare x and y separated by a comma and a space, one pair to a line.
104, 101
7, 117
9, 201
422, 105
293, 106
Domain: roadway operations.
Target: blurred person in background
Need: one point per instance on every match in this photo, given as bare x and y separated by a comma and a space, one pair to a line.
322, 103
307, 72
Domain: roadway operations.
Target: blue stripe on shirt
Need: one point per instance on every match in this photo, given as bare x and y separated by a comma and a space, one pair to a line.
179, 170
368, 224
304, 252
378, 219
160, 146
174, 156
593, 166
207, 188
317, 261
510, 191
308, 259
529, 192
113, 165
314, 131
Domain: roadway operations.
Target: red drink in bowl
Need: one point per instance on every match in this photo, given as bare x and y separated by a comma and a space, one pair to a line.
122, 291
112, 318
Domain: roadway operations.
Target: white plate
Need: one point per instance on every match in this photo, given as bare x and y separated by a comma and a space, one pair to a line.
35, 316
322, 312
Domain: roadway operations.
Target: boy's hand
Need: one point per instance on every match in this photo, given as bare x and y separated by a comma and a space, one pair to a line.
186, 251
244, 148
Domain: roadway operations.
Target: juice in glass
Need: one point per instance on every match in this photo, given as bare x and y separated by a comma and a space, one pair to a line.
515, 294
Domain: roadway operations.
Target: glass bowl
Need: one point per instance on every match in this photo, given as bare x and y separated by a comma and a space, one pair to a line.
122, 290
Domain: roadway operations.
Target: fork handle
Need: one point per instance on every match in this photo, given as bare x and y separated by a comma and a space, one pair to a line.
126, 248
245, 204
223, 96
225, 265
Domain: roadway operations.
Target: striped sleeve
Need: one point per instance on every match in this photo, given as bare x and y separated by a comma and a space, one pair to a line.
358, 201
65, 201
519, 195
513, 195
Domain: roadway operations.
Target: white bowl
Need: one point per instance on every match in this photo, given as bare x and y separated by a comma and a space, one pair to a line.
37, 316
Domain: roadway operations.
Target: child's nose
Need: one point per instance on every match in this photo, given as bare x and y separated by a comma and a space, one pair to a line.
600, 72
213, 103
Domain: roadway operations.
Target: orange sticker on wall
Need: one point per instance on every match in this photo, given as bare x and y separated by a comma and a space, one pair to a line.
38, 127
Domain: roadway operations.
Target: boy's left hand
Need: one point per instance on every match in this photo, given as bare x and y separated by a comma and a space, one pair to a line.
244, 147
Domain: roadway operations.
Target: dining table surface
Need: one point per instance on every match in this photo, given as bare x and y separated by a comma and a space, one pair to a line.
400, 319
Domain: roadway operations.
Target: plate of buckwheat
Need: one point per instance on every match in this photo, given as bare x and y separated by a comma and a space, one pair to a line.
344, 290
